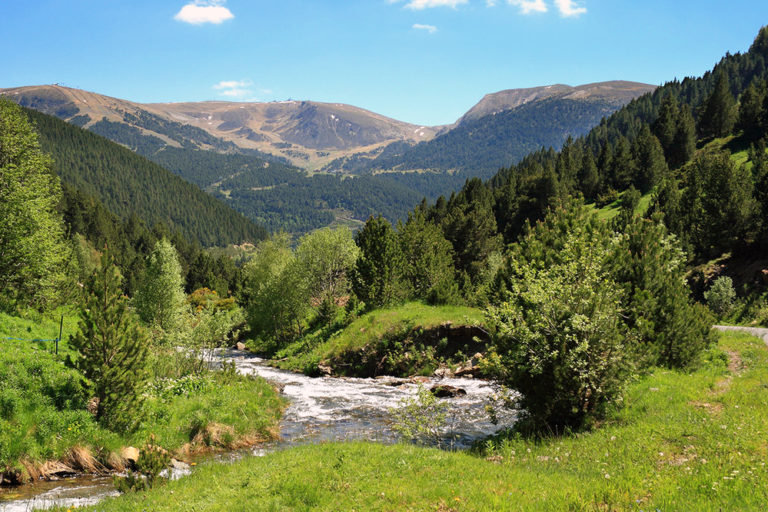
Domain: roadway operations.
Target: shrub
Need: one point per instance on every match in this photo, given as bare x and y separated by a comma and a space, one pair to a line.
422, 418
720, 296
560, 340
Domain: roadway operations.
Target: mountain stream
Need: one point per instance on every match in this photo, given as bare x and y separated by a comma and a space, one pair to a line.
320, 410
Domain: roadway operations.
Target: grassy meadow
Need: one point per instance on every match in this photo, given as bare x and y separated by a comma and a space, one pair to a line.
684, 442
44, 414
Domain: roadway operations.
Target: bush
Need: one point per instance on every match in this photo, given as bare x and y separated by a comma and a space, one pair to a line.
560, 340
720, 296
422, 418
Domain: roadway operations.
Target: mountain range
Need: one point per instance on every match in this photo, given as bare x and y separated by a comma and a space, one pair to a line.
283, 164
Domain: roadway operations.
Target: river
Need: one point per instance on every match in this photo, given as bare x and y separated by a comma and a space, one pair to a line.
321, 409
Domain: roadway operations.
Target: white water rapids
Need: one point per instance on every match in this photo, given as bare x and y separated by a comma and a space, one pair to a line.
321, 409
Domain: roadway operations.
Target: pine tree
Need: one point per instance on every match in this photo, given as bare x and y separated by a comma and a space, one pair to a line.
751, 111
32, 249
665, 126
377, 279
428, 259
649, 160
684, 146
622, 165
112, 348
718, 114
589, 179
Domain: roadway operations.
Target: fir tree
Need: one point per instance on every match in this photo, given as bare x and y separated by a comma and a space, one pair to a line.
428, 259
649, 159
589, 179
684, 145
665, 126
112, 348
718, 114
377, 279
751, 111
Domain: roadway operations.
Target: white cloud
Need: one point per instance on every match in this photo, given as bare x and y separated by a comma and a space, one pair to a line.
198, 12
569, 9
234, 88
529, 6
429, 28
419, 5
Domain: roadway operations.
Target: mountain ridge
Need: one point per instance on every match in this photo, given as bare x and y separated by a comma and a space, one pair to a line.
307, 134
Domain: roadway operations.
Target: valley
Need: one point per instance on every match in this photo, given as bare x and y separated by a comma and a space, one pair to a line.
555, 299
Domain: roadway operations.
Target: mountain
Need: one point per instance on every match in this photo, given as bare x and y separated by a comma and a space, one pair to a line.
617, 93
130, 185
498, 131
305, 133
253, 156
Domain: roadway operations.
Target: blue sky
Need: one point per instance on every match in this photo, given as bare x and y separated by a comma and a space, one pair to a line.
421, 61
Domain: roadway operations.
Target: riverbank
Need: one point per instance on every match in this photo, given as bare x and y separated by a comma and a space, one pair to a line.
411, 339
46, 428
684, 442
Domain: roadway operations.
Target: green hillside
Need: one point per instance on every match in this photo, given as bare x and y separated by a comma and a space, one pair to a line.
129, 184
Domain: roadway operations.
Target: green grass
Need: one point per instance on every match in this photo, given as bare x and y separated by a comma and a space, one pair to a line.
683, 442
43, 404
391, 332
611, 210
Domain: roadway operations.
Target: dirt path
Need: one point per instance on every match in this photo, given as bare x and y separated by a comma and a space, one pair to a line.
760, 332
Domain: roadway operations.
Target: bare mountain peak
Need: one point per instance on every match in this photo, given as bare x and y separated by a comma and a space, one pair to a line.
617, 92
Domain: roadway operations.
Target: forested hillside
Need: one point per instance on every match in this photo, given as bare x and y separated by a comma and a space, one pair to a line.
129, 184
482, 146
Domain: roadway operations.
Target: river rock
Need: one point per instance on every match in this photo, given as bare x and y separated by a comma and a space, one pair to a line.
443, 391
469, 366
240, 345
444, 373
419, 379
324, 370
179, 465
130, 454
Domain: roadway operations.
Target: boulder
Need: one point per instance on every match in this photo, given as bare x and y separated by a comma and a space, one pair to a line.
469, 366
130, 454
240, 345
418, 379
441, 391
444, 373
324, 370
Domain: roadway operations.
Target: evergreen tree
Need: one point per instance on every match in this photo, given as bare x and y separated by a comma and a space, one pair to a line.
32, 248
378, 276
684, 146
665, 126
470, 226
718, 114
161, 301
649, 160
428, 260
718, 203
622, 164
751, 111
112, 348
759, 160
589, 179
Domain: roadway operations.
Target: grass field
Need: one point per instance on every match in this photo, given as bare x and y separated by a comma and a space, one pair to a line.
684, 442
44, 416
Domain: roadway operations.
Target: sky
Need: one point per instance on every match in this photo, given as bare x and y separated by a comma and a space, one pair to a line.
421, 61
